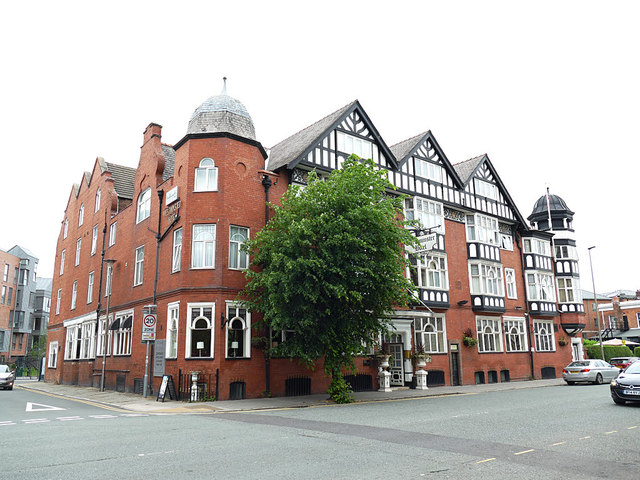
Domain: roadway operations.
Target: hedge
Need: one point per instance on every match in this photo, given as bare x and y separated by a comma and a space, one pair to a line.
610, 351
636, 352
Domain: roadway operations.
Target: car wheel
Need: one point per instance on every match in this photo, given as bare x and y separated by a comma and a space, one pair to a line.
598, 380
618, 401
570, 383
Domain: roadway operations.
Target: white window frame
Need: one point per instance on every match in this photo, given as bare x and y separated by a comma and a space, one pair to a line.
65, 228
97, 204
58, 298
424, 275
431, 333
506, 242
81, 215
482, 229
112, 233
535, 245
176, 257
200, 244
234, 318
122, 337
510, 283
566, 252
206, 176
138, 272
486, 279
143, 210
427, 213
489, 334
351, 144
238, 260
62, 255
486, 189
540, 287
191, 322
100, 342
90, 287
94, 240
515, 334
544, 336
74, 295
569, 288
78, 250
108, 281
5, 273
52, 357
173, 328
430, 170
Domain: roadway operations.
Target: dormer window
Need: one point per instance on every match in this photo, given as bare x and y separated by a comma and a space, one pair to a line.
428, 170
144, 205
206, 176
350, 144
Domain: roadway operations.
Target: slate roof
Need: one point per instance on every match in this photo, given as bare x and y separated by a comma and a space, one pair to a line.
44, 284
465, 169
291, 148
402, 149
123, 179
169, 161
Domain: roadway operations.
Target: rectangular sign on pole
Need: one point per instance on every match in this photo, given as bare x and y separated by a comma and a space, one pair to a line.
158, 358
149, 322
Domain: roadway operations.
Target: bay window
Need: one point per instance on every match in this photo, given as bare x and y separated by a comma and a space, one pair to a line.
569, 290
489, 334
427, 213
429, 271
204, 245
486, 279
483, 229
540, 287
514, 334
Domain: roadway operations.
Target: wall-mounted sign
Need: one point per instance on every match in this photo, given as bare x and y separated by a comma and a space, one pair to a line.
427, 242
172, 211
172, 196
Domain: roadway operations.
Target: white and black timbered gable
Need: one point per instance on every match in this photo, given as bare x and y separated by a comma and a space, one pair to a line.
485, 192
425, 170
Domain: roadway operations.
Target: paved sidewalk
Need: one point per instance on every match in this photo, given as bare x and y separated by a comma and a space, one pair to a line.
136, 403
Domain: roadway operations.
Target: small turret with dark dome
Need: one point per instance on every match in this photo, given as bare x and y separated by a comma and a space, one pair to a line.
222, 113
561, 214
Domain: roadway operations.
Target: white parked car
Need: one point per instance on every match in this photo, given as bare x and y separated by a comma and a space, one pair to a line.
7, 377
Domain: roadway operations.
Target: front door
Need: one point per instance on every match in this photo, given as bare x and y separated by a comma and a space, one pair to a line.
396, 364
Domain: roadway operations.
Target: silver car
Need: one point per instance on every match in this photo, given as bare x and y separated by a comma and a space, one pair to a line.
6, 377
594, 371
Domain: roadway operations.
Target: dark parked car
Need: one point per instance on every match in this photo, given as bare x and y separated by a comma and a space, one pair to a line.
626, 387
623, 362
6, 377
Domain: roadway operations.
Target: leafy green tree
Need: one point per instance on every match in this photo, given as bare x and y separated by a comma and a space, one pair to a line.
36, 353
329, 267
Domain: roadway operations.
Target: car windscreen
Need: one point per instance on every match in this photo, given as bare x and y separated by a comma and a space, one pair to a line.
4, 369
619, 360
633, 368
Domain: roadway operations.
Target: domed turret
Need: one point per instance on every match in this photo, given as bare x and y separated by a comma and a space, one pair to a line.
561, 214
222, 113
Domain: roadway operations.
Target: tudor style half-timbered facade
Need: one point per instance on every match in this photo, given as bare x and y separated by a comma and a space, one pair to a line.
172, 231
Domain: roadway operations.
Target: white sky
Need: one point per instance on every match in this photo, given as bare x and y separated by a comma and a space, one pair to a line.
548, 89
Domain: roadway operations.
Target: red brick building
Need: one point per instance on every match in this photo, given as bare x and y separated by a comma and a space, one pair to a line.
187, 208
10, 265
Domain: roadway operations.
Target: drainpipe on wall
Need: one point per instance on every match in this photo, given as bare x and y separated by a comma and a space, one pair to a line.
267, 183
527, 315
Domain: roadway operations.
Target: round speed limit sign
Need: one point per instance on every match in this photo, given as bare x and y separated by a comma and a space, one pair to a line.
149, 321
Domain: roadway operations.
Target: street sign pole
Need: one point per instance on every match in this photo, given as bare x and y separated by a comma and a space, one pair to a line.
145, 388
149, 321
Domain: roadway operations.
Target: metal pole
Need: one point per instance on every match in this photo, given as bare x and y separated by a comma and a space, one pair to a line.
595, 297
104, 345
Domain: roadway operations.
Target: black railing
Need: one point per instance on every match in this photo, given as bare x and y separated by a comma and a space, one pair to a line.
206, 387
295, 386
360, 382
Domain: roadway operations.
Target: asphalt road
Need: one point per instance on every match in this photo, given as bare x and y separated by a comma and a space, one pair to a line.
542, 433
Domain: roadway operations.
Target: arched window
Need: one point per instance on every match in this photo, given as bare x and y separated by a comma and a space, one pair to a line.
238, 332
144, 205
97, 201
81, 215
206, 176
200, 331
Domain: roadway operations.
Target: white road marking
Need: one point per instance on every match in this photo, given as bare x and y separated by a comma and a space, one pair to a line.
103, 416
134, 415
37, 420
66, 419
9, 422
39, 407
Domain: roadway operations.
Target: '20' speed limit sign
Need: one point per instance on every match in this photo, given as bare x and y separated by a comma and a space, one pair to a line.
149, 322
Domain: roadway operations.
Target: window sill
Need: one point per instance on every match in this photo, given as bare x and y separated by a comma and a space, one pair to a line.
198, 358
237, 358
205, 191
203, 268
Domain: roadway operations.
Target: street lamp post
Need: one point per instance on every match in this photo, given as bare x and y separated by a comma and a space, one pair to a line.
109, 285
595, 297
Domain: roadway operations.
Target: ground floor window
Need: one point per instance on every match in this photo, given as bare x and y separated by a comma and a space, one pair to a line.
171, 346
489, 334
543, 331
100, 341
200, 331
80, 341
53, 355
238, 332
514, 334
431, 333
122, 327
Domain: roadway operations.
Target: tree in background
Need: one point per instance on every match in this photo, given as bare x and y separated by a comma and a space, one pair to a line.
329, 267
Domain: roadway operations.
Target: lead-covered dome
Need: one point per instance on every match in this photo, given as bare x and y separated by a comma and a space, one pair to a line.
556, 205
222, 113
561, 214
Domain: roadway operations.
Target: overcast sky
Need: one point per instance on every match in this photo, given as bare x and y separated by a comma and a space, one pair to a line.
548, 89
